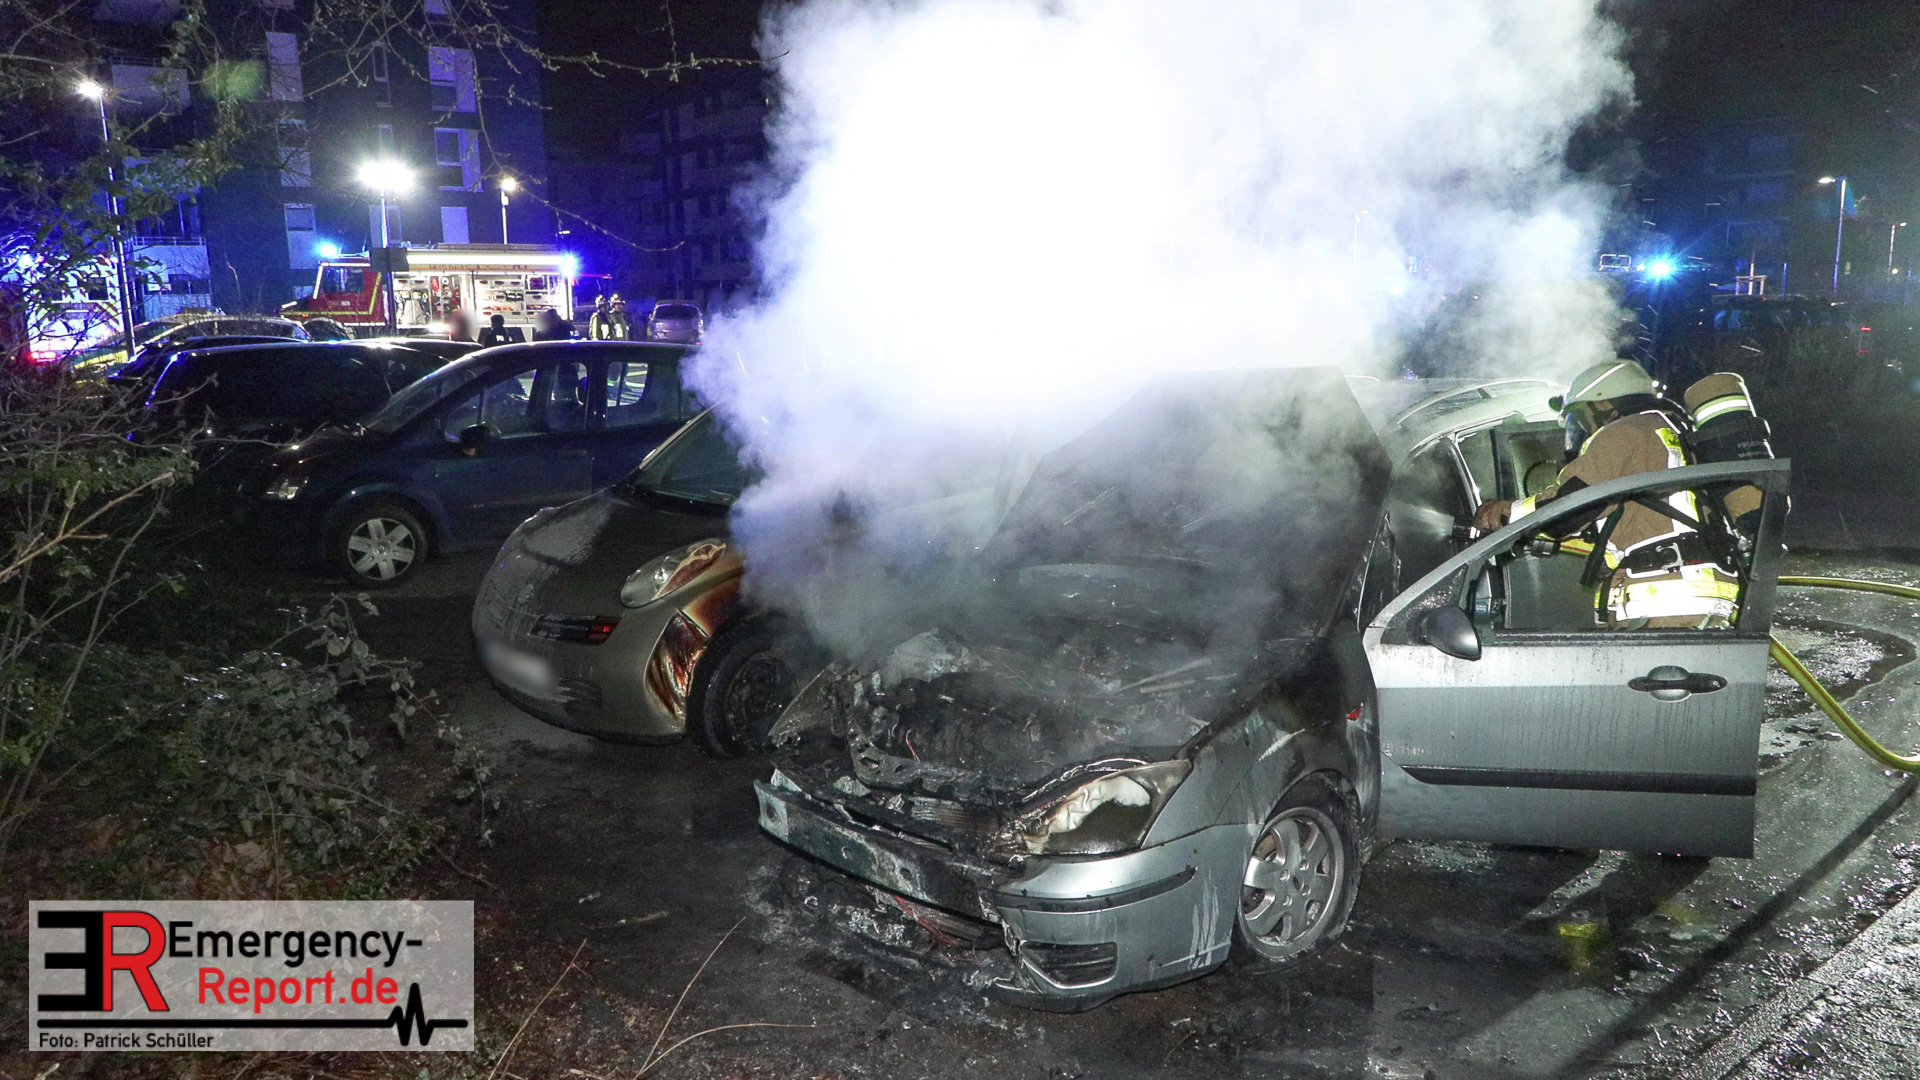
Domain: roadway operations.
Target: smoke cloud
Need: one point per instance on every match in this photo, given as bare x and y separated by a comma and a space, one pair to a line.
989, 221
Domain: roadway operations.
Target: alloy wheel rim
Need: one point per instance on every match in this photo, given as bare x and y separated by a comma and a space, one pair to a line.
1294, 874
381, 548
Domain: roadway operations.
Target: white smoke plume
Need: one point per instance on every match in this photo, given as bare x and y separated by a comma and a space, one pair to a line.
990, 220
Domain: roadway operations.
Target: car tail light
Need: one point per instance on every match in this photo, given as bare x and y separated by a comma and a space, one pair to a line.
579, 629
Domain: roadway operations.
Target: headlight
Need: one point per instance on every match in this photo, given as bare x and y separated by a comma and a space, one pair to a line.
1109, 813
287, 485
670, 571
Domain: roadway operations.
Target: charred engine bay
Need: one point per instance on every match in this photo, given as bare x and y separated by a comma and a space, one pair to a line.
966, 733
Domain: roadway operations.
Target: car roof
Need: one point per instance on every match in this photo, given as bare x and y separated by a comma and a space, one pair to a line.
1454, 404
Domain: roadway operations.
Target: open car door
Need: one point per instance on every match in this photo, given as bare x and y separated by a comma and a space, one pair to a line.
1560, 731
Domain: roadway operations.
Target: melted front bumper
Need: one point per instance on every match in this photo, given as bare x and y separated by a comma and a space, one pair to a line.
1079, 930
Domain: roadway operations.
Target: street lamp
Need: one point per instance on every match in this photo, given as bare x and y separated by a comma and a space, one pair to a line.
508, 185
1839, 233
97, 94
389, 178
1891, 234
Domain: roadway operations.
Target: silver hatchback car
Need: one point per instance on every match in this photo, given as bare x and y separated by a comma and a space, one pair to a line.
1229, 641
676, 320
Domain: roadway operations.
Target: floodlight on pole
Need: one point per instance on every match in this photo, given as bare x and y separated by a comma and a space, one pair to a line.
96, 93
1840, 231
387, 177
508, 185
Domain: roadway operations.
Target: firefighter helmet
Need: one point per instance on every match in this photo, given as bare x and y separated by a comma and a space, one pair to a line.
1605, 382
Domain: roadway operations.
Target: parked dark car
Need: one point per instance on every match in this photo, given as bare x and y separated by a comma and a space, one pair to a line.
462, 457
242, 402
282, 391
321, 328
1223, 642
137, 376
446, 349
109, 357
619, 615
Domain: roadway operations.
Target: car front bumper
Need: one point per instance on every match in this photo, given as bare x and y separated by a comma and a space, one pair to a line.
600, 690
1079, 930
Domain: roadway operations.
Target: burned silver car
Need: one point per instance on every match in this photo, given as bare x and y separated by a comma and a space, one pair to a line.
1222, 644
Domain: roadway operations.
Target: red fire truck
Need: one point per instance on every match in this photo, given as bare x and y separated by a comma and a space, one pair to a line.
514, 280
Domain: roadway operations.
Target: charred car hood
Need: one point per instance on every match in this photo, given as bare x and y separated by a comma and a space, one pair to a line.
1154, 575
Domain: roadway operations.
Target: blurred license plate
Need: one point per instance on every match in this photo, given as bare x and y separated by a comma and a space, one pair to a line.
522, 671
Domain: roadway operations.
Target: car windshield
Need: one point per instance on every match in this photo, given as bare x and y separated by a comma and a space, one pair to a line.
418, 397
676, 311
699, 464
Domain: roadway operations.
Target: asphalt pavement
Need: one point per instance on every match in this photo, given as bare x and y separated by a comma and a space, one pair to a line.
1462, 960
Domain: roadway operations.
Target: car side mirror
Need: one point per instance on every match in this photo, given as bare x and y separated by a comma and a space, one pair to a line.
473, 439
1452, 632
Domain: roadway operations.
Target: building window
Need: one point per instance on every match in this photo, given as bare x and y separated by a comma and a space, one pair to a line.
283, 68
300, 237
382, 80
435, 9
296, 159
451, 71
383, 139
453, 225
277, 5
457, 153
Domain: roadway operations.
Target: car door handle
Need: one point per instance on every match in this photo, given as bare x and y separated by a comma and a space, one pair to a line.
1670, 683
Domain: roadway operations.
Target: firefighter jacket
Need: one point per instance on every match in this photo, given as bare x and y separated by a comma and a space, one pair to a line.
1661, 571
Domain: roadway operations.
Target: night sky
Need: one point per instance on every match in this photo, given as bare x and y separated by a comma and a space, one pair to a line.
635, 34
1693, 59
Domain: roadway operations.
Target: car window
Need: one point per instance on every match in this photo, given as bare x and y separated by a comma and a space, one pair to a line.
568, 394
328, 385
1426, 502
639, 393
1476, 450
505, 405
700, 464
225, 388
550, 399
676, 311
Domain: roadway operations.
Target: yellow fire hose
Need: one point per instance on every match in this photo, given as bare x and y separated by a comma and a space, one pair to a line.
1828, 704
1791, 664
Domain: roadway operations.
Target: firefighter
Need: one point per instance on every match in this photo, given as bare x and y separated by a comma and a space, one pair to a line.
622, 319
1658, 569
601, 326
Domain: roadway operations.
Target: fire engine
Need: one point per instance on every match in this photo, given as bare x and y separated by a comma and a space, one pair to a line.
513, 280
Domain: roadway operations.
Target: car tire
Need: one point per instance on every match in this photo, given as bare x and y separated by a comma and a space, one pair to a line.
748, 675
1301, 875
379, 544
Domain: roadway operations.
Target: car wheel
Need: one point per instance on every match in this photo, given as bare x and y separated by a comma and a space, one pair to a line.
379, 545
744, 681
1301, 877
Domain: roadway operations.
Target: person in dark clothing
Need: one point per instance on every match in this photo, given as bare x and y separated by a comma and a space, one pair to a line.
549, 326
495, 333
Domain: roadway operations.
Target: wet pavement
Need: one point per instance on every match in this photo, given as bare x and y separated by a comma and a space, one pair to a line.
1462, 960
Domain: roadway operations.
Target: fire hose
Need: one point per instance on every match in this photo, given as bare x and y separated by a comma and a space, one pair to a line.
1791, 664
1828, 703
